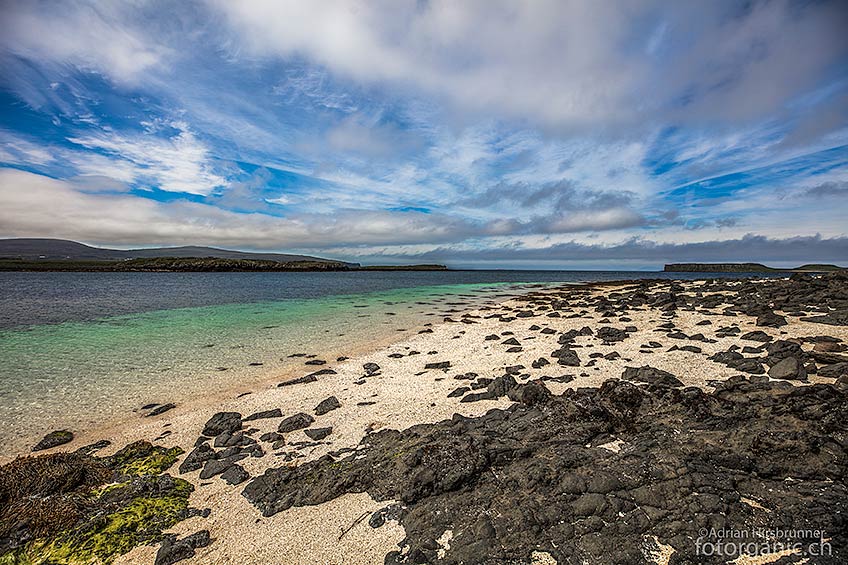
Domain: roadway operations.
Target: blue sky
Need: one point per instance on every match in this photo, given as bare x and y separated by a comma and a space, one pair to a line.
475, 133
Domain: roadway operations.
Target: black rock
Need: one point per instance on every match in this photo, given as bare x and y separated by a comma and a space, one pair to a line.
214, 467
501, 385
235, 475
650, 375
296, 422
458, 391
756, 336
327, 405
566, 357
197, 457
771, 320
161, 409
439, 365
222, 422
611, 334
532, 476
371, 369
173, 550
274, 413
54, 439
317, 434
834, 371
789, 368
539, 363
315, 362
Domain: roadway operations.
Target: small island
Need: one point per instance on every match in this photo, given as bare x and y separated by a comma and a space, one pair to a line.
61, 255
745, 268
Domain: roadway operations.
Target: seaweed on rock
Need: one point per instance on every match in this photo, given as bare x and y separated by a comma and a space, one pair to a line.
77, 509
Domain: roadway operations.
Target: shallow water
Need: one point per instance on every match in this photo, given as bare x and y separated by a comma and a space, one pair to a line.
80, 350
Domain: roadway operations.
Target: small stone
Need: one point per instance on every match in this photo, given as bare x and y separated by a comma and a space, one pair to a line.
317, 434
275, 413
327, 405
296, 422
222, 422
235, 475
54, 439
788, 369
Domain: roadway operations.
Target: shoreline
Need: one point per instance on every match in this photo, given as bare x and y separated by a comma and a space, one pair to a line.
403, 392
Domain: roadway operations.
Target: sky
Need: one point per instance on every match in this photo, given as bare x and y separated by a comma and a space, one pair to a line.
475, 133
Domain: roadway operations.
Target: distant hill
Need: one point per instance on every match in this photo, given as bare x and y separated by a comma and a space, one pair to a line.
744, 268
35, 249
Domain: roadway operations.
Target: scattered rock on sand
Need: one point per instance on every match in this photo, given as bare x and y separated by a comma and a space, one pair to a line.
222, 422
650, 375
173, 550
317, 434
295, 422
611, 334
235, 475
789, 368
263, 415
54, 439
327, 405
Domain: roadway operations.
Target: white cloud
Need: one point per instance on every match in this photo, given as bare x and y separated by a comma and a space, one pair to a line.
563, 64
180, 163
98, 36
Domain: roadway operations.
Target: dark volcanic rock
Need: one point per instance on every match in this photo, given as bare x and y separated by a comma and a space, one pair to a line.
438, 365
650, 375
54, 439
611, 334
771, 320
197, 457
222, 422
274, 413
756, 336
327, 405
173, 550
371, 369
235, 475
317, 434
789, 368
566, 357
161, 409
834, 371
296, 422
527, 478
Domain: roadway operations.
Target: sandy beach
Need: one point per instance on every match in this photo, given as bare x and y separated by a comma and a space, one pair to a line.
427, 379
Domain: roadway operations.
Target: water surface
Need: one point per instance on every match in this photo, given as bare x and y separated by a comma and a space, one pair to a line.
78, 350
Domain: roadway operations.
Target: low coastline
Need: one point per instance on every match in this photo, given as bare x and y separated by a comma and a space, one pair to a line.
671, 334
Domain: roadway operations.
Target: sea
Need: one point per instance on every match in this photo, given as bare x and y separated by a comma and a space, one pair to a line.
83, 350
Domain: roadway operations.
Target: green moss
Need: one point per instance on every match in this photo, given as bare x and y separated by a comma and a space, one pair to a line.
104, 538
154, 463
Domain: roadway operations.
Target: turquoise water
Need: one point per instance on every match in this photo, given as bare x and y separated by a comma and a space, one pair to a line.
79, 375
80, 350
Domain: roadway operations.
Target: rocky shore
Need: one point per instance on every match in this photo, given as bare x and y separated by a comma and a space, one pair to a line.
617, 423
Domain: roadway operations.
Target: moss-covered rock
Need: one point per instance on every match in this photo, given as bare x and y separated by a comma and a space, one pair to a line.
77, 509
